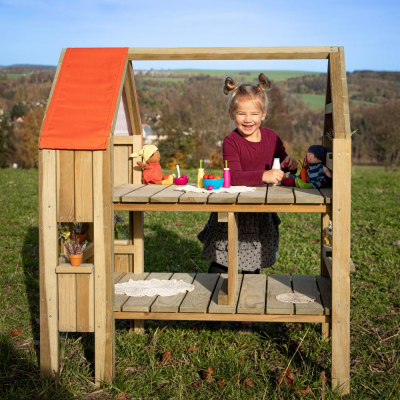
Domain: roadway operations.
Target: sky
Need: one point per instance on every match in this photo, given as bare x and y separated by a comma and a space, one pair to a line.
35, 31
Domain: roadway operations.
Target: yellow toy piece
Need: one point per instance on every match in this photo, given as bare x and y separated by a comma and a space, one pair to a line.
169, 180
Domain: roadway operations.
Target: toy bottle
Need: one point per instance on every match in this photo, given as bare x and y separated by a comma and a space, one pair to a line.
227, 176
200, 174
276, 165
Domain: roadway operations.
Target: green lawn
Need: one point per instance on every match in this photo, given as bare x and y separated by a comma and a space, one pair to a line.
197, 360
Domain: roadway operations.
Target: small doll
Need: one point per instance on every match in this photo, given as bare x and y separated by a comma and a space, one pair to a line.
318, 175
151, 167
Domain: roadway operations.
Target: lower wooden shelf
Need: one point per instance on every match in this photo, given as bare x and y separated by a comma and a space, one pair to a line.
256, 299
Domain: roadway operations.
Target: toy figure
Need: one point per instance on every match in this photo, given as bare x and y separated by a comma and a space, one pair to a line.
151, 167
318, 175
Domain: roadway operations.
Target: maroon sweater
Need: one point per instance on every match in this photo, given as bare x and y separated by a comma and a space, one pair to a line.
248, 160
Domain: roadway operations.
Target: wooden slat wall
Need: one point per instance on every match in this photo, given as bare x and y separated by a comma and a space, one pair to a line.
67, 302
48, 260
104, 263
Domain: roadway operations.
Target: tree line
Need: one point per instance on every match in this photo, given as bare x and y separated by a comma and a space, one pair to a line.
192, 114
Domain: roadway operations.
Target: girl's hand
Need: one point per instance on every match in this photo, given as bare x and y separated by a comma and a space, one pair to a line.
273, 176
292, 163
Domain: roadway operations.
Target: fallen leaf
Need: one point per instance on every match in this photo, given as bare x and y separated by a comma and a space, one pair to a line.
166, 357
314, 242
123, 395
286, 378
248, 382
16, 332
396, 243
179, 223
379, 190
221, 382
207, 376
131, 370
304, 392
193, 349
210, 370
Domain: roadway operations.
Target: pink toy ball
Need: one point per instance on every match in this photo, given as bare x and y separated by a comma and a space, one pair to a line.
209, 187
214, 183
182, 180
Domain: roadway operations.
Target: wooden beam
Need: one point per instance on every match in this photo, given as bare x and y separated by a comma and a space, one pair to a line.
194, 207
48, 260
189, 316
337, 96
120, 140
104, 262
232, 256
231, 53
65, 186
345, 94
341, 214
133, 102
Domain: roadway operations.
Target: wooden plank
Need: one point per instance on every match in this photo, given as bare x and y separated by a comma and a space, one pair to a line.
83, 186
252, 295
346, 108
337, 96
198, 300
132, 100
121, 88
138, 240
194, 198
144, 303
136, 170
256, 197
88, 253
69, 269
66, 302
255, 208
48, 260
124, 249
121, 263
232, 256
278, 284
308, 196
223, 217
84, 303
325, 290
118, 276
341, 214
327, 193
215, 307
231, 53
121, 158
122, 190
169, 195
143, 194
172, 303
65, 186
121, 299
223, 317
280, 194
123, 140
307, 285
222, 198
104, 262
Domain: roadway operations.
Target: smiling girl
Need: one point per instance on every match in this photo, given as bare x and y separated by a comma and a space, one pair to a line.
250, 150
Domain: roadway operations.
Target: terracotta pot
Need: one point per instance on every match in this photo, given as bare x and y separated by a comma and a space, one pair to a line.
80, 238
75, 259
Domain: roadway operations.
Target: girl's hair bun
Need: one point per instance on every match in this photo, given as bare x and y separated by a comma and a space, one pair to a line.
229, 85
265, 83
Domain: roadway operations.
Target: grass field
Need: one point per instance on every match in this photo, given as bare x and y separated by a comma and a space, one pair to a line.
193, 360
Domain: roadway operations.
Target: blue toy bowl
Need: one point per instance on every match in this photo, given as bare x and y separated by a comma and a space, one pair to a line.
215, 183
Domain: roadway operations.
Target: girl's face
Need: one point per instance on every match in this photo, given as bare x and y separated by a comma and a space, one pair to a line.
248, 118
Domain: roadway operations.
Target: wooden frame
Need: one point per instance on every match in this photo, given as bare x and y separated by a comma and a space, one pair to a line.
93, 196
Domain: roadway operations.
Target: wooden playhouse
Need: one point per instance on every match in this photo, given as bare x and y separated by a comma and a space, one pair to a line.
92, 125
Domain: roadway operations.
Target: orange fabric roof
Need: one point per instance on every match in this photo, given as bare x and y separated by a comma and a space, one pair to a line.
84, 101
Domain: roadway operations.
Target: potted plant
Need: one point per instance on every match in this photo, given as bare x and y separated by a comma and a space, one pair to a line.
75, 250
80, 230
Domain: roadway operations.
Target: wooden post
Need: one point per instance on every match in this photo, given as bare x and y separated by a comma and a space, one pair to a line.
104, 264
341, 214
232, 256
325, 327
48, 261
